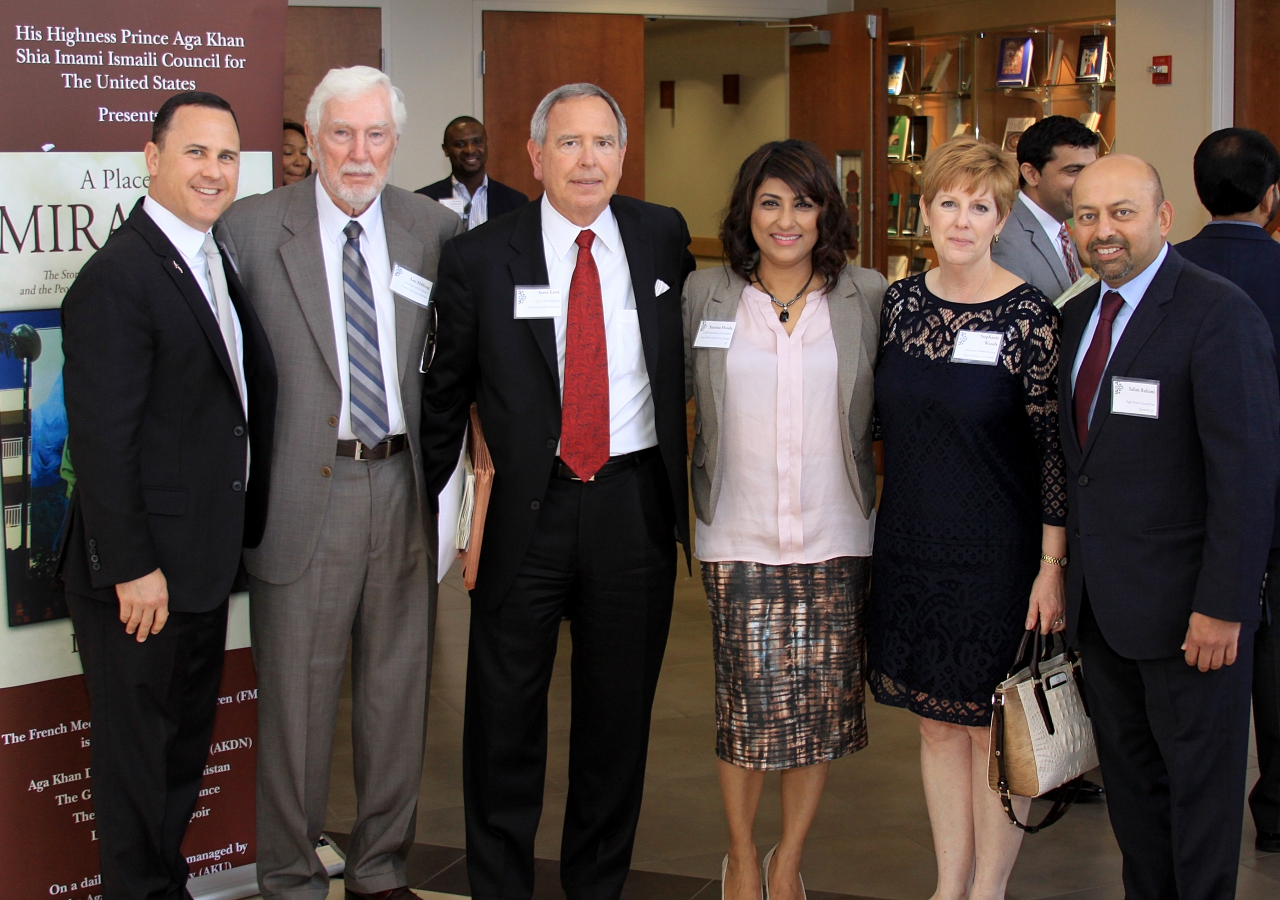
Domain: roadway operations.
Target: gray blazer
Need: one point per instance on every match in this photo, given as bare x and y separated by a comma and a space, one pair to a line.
274, 241
1026, 251
713, 294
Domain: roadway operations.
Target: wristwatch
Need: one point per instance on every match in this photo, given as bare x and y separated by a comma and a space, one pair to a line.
1054, 560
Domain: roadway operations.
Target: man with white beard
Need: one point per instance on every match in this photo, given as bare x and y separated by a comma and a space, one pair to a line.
338, 267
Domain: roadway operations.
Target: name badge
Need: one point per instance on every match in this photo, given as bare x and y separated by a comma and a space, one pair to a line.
1135, 397
410, 285
981, 348
717, 335
538, 302
454, 204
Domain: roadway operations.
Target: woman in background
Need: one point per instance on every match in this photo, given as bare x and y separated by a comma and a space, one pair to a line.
970, 541
295, 165
784, 489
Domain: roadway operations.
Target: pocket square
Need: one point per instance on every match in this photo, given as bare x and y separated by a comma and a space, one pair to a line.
660, 287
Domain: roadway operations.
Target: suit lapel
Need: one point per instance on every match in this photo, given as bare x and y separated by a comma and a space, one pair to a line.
1041, 242
530, 267
640, 263
1075, 317
847, 328
303, 259
407, 250
723, 308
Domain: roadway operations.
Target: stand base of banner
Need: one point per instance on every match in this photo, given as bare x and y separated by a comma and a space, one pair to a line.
229, 884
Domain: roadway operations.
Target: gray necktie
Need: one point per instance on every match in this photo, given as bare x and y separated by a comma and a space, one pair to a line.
367, 390
223, 310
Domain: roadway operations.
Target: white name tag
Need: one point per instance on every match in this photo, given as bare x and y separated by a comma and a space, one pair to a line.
454, 204
410, 285
535, 302
1135, 397
714, 334
978, 347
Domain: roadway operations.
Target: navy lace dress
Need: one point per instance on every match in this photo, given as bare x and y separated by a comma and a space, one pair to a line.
972, 468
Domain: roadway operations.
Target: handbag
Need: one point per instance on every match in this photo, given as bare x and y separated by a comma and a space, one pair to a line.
1041, 736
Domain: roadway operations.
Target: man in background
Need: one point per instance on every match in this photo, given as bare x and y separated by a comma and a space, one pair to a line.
1035, 244
169, 382
1236, 170
347, 555
468, 190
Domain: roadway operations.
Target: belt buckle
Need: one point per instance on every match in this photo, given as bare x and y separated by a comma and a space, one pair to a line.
359, 448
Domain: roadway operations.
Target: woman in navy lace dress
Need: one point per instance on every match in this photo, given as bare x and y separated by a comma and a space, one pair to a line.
970, 542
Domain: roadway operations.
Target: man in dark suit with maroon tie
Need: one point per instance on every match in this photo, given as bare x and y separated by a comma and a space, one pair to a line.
562, 322
1170, 416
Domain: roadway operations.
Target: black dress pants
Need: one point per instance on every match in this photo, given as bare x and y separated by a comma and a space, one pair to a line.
604, 554
152, 707
1173, 744
1264, 799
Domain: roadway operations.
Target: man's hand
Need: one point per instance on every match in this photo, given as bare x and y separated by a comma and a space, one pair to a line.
144, 604
1211, 643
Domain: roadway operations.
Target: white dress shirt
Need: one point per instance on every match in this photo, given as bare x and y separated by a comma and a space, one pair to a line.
373, 247
1131, 292
631, 417
1052, 227
479, 201
190, 244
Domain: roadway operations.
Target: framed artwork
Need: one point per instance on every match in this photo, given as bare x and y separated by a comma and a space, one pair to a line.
1091, 64
1015, 62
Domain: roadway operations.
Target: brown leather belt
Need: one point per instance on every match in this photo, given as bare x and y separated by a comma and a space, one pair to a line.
615, 464
390, 447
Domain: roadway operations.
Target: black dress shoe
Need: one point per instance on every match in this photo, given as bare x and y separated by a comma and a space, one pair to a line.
1268, 841
1090, 792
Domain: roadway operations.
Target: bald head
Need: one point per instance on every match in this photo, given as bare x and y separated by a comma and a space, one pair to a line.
1122, 217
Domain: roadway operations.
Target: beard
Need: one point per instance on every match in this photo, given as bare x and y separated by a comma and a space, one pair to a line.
358, 197
1116, 268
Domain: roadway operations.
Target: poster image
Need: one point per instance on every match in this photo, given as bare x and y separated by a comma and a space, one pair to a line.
36, 477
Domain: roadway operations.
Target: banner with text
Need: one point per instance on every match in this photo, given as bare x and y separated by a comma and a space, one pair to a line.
83, 82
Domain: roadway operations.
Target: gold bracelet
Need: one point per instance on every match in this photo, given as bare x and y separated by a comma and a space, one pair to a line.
1060, 561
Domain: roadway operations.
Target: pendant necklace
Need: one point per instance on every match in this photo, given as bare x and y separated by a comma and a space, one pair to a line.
785, 315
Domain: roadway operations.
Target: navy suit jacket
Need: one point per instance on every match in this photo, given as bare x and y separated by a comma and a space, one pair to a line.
1173, 515
502, 199
1246, 256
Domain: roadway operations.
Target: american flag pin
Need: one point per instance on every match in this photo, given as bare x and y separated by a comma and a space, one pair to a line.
176, 266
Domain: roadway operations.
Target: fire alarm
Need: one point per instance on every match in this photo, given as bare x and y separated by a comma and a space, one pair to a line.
1161, 69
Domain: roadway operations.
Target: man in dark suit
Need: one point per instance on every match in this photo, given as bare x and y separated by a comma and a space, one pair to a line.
562, 322
1236, 172
169, 384
1035, 244
1170, 416
468, 190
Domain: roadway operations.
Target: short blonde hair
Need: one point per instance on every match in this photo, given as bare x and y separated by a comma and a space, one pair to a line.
968, 164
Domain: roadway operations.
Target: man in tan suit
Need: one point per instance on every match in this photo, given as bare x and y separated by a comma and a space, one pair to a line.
348, 551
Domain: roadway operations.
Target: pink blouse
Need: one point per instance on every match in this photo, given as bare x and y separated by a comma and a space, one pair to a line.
785, 497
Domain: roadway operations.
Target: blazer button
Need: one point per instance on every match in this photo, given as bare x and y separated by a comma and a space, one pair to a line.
333, 421
93, 558
92, 543
535, 505
237, 486
326, 471
96, 567
551, 444
239, 431
1082, 480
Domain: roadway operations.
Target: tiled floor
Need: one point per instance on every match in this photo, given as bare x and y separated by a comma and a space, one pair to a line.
871, 837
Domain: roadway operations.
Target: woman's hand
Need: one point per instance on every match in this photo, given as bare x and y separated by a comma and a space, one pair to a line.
1048, 600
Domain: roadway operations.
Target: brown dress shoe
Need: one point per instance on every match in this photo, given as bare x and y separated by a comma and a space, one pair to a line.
400, 893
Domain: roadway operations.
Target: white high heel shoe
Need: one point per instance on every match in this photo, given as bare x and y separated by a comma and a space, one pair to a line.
764, 875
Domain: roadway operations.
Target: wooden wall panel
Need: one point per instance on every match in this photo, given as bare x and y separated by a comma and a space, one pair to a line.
320, 38
1258, 66
529, 54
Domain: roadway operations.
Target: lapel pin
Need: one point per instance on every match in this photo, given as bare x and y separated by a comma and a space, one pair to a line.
176, 266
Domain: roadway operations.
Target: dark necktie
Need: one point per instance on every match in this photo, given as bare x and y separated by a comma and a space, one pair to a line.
1094, 363
1069, 256
367, 390
584, 417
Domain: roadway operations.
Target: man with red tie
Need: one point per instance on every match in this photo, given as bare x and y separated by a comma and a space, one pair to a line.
562, 322
1171, 432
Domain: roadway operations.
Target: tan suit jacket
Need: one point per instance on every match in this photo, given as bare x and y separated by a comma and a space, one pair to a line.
274, 242
713, 295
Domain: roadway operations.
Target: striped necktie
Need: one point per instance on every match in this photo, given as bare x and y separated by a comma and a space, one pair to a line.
1069, 254
368, 392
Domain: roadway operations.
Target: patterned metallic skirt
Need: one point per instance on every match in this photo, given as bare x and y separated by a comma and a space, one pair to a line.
789, 646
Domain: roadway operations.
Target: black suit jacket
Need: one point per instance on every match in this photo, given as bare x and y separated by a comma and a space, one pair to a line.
502, 199
156, 429
510, 368
1173, 515
1246, 256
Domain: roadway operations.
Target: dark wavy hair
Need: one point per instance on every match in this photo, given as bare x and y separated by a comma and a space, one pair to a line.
807, 172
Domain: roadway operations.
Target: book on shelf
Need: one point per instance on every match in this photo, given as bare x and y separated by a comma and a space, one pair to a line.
911, 216
1014, 126
899, 126
962, 128
1055, 62
919, 264
1015, 62
1091, 64
918, 137
897, 69
893, 214
937, 69
897, 268
1091, 120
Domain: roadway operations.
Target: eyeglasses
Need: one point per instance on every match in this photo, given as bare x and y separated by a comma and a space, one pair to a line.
429, 351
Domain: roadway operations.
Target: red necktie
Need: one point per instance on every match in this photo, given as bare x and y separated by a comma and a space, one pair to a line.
1095, 362
584, 416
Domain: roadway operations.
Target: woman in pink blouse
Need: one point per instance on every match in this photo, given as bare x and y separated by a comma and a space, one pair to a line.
780, 347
